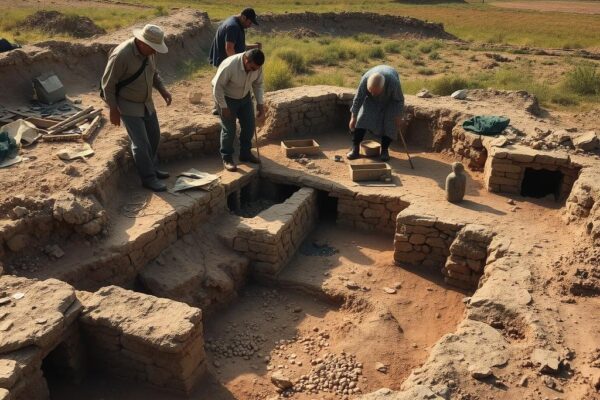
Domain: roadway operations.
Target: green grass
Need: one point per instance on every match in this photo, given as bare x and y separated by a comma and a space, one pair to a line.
278, 74
474, 21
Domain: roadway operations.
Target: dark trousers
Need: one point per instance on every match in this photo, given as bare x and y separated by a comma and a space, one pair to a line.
144, 133
359, 134
242, 110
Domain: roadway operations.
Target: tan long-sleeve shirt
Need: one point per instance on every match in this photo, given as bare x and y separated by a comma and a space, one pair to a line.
234, 82
124, 61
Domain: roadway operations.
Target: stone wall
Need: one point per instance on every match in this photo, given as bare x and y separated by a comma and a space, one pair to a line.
429, 127
368, 212
306, 110
583, 204
145, 338
201, 137
423, 240
470, 147
468, 254
505, 168
270, 239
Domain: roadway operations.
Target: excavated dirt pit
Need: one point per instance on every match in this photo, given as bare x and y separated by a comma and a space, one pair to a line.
310, 314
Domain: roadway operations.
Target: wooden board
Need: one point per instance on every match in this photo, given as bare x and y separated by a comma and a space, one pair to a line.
370, 172
291, 148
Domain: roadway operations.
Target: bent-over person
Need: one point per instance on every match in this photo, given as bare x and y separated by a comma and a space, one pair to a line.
377, 107
236, 76
127, 84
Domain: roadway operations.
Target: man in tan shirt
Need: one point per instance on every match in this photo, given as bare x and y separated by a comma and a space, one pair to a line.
236, 76
127, 84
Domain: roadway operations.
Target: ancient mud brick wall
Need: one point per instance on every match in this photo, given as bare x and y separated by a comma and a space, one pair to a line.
190, 139
470, 147
505, 168
306, 110
423, 239
369, 212
35, 318
468, 254
271, 238
583, 204
145, 338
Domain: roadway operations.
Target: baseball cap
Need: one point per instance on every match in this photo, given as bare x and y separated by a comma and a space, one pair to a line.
250, 14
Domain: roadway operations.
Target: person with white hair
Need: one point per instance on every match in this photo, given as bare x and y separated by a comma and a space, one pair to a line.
377, 107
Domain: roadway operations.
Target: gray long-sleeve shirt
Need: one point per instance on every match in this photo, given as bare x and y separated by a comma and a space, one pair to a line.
377, 113
234, 82
124, 61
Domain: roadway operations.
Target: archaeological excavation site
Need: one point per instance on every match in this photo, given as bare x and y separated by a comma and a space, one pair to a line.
308, 276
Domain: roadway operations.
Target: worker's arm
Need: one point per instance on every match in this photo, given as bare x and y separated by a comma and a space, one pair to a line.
230, 48
258, 88
113, 73
397, 102
219, 82
159, 85
357, 102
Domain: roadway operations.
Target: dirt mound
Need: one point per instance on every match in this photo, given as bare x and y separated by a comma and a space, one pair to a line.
520, 99
351, 23
55, 22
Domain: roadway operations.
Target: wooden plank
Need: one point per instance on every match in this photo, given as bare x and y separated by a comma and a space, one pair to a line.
92, 128
73, 117
74, 122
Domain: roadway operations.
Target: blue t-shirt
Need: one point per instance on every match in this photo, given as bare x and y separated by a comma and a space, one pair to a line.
229, 31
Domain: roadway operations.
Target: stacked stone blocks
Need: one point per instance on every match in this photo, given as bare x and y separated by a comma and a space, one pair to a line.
271, 238
369, 212
144, 338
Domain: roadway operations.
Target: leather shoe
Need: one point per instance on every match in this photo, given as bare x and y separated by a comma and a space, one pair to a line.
155, 186
229, 164
251, 158
162, 174
354, 153
385, 155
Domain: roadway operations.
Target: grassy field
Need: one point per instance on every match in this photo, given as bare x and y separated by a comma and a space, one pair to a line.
558, 82
469, 21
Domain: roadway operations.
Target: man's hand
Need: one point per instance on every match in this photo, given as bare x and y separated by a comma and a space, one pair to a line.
167, 96
398, 122
260, 108
115, 116
352, 123
225, 113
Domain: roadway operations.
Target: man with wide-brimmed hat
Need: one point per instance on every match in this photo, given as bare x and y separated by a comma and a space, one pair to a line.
230, 38
127, 84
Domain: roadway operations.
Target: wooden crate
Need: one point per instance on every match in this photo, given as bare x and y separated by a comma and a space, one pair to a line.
291, 148
370, 148
370, 172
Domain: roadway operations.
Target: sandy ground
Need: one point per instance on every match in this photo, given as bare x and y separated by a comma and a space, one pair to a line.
414, 318
577, 7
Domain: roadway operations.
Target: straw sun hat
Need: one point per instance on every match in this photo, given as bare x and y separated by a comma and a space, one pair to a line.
153, 36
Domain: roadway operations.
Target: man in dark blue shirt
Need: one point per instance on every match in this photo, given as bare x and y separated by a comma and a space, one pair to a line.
230, 38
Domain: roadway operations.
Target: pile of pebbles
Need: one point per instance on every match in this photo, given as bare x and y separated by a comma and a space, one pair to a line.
244, 345
337, 374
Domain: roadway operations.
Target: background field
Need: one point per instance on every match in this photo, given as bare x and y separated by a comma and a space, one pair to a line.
559, 82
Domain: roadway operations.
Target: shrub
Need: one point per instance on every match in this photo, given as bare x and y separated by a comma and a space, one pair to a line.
419, 62
278, 74
160, 11
376, 52
434, 55
425, 71
294, 59
392, 47
446, 85
584, 80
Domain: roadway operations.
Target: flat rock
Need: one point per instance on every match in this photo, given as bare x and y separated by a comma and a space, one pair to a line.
478, 371
281, 381
587, 141
548, 360
381, 367
163, 324
460, 94
424, 94
389, 290
51, 300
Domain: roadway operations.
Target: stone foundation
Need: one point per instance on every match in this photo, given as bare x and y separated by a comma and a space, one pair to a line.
198, 138
423, 240
306, 110
505, 168
270, 239
145, 338
369, 212
468, 254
